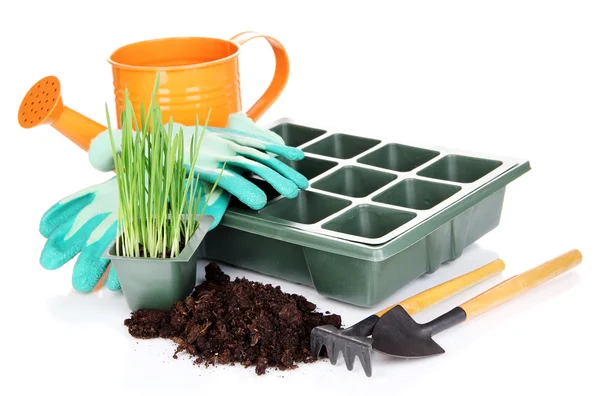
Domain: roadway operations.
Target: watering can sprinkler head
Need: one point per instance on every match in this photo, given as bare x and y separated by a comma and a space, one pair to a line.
43, 105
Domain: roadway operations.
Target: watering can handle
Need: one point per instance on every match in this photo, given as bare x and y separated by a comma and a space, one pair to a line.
280, 77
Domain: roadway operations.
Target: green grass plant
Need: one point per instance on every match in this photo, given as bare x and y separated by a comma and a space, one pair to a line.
159, 198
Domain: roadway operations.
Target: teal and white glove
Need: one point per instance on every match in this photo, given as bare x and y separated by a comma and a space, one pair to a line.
243, 145
85, 223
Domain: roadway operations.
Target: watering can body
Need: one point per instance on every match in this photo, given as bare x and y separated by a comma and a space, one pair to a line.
198, 76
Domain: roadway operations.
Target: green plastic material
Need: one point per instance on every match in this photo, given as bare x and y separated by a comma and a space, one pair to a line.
376, 216
150, 283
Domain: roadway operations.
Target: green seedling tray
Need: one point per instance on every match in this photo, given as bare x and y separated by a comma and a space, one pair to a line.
158, 283
377, 214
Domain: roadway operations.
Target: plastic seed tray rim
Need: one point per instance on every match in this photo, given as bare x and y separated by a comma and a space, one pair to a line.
460, 192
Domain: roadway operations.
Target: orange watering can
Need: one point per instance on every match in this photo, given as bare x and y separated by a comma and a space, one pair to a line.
196, 74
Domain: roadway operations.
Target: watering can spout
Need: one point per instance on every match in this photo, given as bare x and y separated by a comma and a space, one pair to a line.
43, 105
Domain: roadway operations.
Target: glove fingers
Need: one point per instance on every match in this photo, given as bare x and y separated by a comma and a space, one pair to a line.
284, 186
233, 133
287, 152
61, 213
113, 283
90, 265
241, 122
288, 172
253, 160
245, 140
62, 247
57, 251
217, 206
246, 191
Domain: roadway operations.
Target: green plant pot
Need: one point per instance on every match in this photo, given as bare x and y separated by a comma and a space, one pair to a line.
151, 283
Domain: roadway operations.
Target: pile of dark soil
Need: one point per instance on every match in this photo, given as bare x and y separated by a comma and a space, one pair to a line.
240, 321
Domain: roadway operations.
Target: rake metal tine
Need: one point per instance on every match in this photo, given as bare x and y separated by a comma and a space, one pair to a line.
316, 344
332, 351
349, 357
365, 360
321, 338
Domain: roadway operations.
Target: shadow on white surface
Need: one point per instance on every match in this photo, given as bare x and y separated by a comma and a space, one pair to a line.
146, 363
101, 307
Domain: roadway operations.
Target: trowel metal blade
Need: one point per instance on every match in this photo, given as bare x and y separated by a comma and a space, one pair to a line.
397, 334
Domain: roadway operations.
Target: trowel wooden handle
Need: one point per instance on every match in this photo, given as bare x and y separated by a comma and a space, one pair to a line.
447, 289
519, 284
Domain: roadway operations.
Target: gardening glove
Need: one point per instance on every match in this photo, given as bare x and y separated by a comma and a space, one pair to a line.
86, 223
243, 146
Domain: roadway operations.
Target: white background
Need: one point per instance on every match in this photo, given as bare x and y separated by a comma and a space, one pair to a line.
513, 78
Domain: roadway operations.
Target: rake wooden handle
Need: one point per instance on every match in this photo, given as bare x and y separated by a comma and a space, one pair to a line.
519, 284
447, 289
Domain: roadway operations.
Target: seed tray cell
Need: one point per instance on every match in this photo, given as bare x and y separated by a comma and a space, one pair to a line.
354, 181
342, 146
398, 157
377, 214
